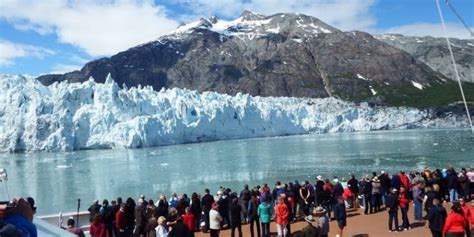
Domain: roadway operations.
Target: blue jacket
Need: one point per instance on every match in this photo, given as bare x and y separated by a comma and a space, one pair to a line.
19, 221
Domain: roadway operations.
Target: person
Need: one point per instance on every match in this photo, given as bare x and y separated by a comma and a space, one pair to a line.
303, 197
161, 230
453, 184
244, 200
121, 222
264, 211
93, 210
310, 230
206, 202
391, 203
366, 191
471, 218
252, 215
417, 201
171, 218
323, 221
180, 229
97, 228
196, 209
71, 228
467, 213
340, 215
130, 215
235, 217
17, 221
281, 214
188, 219
174, 200
376, 194
404, 204
140, 218
162, 208
464, 183
436, 217
455, 222
353, 185
215, 220
151, 225
107, 213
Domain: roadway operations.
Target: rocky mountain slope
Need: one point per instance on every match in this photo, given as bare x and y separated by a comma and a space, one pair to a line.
278, 55
434, 52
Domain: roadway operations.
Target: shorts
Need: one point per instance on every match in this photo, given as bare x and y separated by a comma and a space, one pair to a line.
341, 223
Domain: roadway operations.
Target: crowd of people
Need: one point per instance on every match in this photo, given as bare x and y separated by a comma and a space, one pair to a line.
285, 203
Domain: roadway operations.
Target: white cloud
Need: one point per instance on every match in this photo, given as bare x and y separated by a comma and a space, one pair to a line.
427, 29
9, 51
63, 68
343, 14
98, 27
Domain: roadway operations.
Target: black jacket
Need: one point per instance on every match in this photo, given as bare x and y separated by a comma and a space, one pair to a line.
437, 217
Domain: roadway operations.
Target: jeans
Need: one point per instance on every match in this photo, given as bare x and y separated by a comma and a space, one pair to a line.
239, 229
281, 230
418, 210
265, 229
453, 195
367, 204
435, 233
376, 201
254, 221
405, 221
393, 216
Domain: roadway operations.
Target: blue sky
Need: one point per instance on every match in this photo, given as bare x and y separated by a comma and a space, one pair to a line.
56, 36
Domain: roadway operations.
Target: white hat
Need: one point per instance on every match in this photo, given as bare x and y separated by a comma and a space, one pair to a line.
319, 177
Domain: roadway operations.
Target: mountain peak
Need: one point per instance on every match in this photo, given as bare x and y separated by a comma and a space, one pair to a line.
251, 16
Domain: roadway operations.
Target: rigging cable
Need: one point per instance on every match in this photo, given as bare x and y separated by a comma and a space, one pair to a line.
460, 18
454, 64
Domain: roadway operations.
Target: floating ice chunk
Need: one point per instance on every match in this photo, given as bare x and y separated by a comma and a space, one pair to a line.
361, 77
372, 90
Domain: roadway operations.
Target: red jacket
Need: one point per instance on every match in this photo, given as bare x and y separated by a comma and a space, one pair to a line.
281, 212
189, 221
120, 220
405, 181
471, 218
98, 230
403, 200
455, 223
347, 193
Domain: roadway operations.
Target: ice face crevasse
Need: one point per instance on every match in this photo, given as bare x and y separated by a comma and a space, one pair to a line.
90, 115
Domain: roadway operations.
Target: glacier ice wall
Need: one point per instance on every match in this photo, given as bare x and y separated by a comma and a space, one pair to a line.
90, 115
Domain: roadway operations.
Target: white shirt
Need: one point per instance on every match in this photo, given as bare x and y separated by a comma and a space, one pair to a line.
161, 231
214, 220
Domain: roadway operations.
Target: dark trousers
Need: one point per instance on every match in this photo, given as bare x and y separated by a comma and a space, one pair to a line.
239, 229
254, 221
206, 219
393, 216
376, 202
452, 234
214, 233
265, 229
435, 233
368, 204
405, 221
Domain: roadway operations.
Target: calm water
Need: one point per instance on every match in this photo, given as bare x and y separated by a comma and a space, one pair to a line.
57, 180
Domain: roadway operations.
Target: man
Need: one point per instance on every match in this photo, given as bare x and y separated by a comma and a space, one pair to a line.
140, 219
206, 201
71, 227
340, 215
366, 191
310, 230
437, 216
418, 201
323, 221
244, 200
93, 209
121, 222
215, 220
252, 214
353, 185
391, 203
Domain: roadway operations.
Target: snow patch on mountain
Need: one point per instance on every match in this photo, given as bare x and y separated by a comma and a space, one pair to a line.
89, 115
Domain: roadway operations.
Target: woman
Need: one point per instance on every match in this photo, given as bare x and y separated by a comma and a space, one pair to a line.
455, 222
162, 208
151, 227
235, 217
404, 204
304, 202
97, 228
376, 194
281, 213
264, 211
161, 230
196, 209
215, 220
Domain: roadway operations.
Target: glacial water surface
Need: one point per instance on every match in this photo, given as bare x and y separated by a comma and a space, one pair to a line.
57, 180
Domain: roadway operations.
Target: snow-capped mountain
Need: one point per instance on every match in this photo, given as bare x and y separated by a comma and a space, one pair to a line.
88, 115
278, 55
434, 52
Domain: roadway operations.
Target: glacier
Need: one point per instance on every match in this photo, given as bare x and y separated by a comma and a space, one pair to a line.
69, 116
